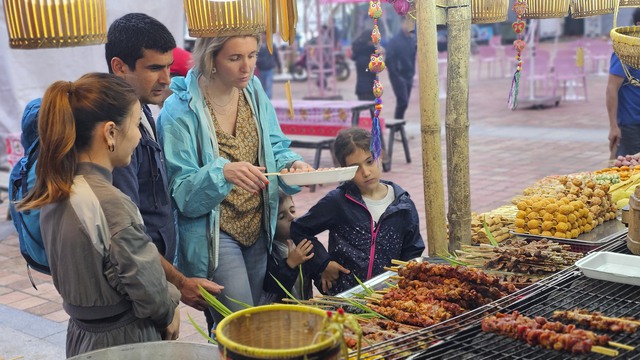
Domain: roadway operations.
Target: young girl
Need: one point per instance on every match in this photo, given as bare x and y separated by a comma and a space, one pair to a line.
284, 263
103, 264
370, 221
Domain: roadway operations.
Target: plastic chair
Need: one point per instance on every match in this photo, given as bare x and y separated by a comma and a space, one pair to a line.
540, 73
487, 56
599, 52
567, 75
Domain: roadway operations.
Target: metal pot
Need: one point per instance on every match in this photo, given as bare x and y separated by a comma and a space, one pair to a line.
153, 351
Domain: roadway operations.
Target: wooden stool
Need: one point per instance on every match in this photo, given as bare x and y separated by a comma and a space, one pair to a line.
393, 126
314, 142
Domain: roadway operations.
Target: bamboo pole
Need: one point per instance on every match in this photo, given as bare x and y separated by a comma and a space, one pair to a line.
430, 127
457, 122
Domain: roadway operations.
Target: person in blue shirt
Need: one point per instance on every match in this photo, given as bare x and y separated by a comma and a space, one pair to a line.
623, 106
401, 63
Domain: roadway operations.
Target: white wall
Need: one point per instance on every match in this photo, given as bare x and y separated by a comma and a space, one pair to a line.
25, 74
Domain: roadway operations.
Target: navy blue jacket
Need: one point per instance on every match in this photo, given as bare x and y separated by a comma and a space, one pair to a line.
353, 238
400, 56
145, 181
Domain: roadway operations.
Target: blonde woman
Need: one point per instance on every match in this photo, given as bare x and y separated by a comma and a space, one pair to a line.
220, 134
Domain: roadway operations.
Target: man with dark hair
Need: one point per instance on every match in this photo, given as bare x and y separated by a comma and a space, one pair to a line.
139, 50
401, 64
623, 106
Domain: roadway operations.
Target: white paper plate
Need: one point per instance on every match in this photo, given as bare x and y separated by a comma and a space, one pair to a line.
320, 177
620, 268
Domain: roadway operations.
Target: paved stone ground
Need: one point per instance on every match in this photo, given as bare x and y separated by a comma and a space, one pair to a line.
508, 151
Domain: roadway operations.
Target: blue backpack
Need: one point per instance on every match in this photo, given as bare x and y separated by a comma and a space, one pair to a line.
21, 180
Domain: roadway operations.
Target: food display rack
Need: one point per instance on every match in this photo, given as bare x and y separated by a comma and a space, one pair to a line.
461, 337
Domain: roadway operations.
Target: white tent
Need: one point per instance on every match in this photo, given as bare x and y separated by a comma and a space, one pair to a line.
25, 74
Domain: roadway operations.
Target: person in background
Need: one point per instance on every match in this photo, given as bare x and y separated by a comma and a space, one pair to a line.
182, 62
139, 50
283, 265
623, 106
361, 50
401, 64
370, 221
266, 64
102, 262
220, 134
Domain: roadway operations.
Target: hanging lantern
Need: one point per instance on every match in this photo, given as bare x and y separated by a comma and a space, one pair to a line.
546, 9
584, 8
629, 3
206, 18
35, 24
489, 11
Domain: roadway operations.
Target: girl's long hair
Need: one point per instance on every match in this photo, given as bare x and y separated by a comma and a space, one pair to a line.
69, 114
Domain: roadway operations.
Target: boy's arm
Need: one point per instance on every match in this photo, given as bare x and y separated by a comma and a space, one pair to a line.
413, 244
278, 269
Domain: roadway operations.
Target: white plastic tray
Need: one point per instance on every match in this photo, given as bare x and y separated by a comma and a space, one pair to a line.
620, 268
320, 177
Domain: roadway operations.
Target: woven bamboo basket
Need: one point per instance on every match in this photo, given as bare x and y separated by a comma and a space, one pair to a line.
277, 332
626, 44
629, 3
546, 9
206, 18
36, 24
585, 8
489, 11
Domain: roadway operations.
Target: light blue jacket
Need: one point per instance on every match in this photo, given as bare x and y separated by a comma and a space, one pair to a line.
195, 169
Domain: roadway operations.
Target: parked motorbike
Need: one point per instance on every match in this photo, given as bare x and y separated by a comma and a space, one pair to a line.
298, 69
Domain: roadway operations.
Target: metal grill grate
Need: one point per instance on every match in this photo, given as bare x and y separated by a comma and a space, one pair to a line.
462, 338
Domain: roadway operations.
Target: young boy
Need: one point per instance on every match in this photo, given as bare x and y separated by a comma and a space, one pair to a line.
286, 258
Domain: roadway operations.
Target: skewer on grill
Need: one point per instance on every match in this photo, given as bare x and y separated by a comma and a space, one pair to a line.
399, 262
598, 321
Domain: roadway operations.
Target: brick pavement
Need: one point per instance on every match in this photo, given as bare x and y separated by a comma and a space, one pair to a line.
508, 151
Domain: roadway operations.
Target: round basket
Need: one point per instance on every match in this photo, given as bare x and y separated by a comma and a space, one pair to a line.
546, 9
489, 11
40, 24
206, 18
277, 332
629, 3
585, 8
626, 44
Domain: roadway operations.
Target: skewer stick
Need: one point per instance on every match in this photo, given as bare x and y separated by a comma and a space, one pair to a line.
621, 346
604, 351
383, 291
375, 300
399, 262
578, 315
392, 268
393, 277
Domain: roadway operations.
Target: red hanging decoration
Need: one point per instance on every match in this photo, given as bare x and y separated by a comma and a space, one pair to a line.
376, 65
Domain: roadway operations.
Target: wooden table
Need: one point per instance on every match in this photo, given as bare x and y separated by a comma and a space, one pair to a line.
315, 123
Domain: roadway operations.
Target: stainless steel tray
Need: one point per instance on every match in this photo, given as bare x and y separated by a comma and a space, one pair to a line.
382, 281
601, 234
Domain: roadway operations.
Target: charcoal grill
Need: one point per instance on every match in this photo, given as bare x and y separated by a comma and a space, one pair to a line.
462, 338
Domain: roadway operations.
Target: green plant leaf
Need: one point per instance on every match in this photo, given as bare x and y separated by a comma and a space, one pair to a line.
453, 260
214, 302
367, 289
365, 308
492, 240
285, 290
199, 330
243, 304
